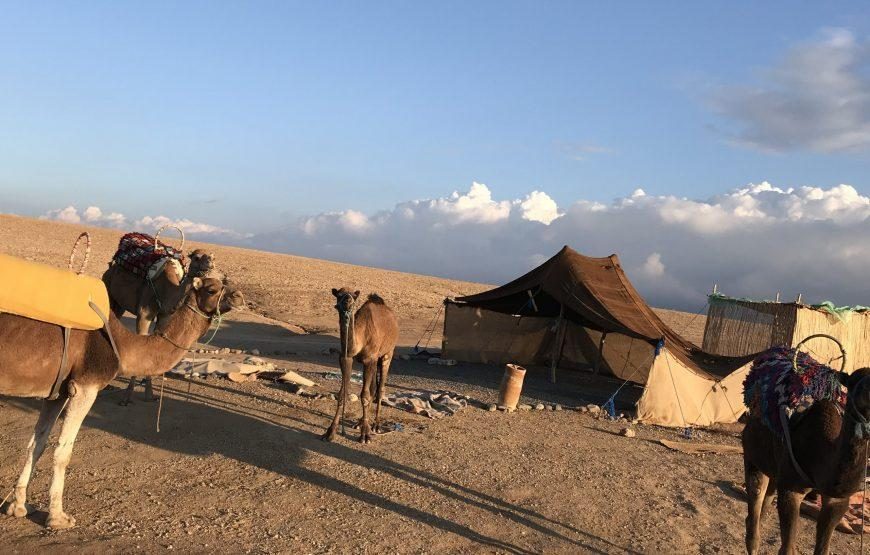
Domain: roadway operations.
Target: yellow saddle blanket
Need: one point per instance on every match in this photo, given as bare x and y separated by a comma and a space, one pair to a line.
50, 294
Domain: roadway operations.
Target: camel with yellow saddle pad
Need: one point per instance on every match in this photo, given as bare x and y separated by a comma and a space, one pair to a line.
33, 346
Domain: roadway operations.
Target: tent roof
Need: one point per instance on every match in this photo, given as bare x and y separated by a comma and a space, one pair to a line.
595, 293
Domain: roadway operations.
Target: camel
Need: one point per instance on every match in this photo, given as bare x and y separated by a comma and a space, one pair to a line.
369, 337
150, 301
30, 352
830, 449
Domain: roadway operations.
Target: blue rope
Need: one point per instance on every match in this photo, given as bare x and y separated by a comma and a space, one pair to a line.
610, 407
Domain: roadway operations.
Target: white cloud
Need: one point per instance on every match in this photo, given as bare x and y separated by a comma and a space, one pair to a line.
69, 215
539, 207
753, 240
816, 98
94, 215
653, 266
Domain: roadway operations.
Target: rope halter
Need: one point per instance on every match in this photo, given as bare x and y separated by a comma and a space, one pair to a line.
347, 313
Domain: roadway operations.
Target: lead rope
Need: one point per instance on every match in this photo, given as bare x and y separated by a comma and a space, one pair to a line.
348, 325
864, 497
189, 381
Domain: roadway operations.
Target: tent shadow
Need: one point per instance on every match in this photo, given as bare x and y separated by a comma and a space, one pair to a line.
243, 426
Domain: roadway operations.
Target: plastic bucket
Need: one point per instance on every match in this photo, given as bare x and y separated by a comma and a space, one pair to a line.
511, 386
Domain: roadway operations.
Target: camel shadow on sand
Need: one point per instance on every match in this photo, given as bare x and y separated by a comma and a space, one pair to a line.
282, 449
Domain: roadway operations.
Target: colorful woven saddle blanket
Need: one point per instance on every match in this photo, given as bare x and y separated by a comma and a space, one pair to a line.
773, 383
139, 252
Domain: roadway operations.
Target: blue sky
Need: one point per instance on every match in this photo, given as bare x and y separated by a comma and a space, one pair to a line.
341, 131
276, 110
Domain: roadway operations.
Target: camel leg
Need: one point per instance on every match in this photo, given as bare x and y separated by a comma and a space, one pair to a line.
346, 365
78, 408
47, 417
383, 370
369, 369
788, 506
149, 391
144, 320
128, 393
756, 497
833, 509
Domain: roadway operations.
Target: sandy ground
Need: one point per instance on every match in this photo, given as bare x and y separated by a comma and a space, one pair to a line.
240, 467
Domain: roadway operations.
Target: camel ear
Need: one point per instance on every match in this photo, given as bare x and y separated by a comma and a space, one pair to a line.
335, 291
851, 380
355, 295
197, 283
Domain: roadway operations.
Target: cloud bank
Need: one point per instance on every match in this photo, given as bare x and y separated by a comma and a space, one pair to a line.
816, 98
752, 241
93, 215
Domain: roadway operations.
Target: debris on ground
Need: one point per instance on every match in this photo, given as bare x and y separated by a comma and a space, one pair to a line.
437, 361
355, 377
627, 432
433, 404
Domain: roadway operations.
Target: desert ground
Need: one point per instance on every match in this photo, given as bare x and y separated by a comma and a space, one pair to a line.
240, 467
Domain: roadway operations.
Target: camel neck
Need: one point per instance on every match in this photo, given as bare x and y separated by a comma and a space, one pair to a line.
848, 460
151, 355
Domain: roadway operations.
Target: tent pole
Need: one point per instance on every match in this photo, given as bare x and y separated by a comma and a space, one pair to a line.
557, 345
600, 352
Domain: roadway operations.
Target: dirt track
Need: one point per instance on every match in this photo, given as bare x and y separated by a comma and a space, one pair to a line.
239, 467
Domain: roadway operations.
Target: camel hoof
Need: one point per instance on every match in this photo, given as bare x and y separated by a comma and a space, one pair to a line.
150, 399
328, 436
18, 511
60, 522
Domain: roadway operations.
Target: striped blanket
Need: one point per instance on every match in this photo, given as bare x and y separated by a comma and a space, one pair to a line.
773, 383
137, 253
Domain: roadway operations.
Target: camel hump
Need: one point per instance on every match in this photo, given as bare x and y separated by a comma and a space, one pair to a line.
376, 299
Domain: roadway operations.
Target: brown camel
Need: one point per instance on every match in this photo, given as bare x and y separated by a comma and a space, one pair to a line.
369, 337
830, 449
149, 300
30, 354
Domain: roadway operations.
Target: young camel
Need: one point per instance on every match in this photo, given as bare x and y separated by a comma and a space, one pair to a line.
30, 352
830, 448
369, 337
132, 293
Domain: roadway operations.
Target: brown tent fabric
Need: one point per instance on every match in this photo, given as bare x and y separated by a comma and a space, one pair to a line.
598, 295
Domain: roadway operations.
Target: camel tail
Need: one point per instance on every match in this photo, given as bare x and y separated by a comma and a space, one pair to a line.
376, 299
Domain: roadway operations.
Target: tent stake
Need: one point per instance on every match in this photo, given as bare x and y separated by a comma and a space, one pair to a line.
600, 352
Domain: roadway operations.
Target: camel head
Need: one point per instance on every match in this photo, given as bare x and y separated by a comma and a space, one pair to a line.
211, 294
201, 263
345, 300
858, 384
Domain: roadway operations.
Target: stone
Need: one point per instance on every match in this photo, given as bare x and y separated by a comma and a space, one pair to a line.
352, 397
540, 406
594, 410
635, 422
224, 351
557, 407
405, 357
583, 409
492, 407
627, 432
255, 352
551, 407
524, 407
